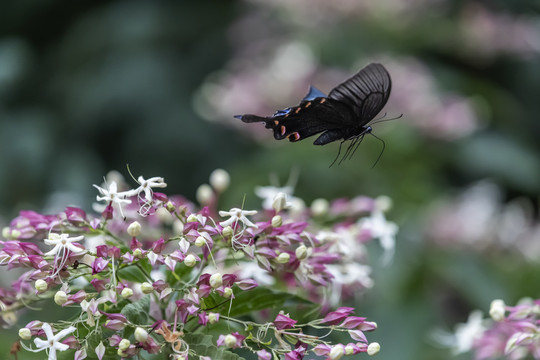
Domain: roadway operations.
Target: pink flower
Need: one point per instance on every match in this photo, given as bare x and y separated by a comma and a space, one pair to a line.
335, 317
264, 355
284, 322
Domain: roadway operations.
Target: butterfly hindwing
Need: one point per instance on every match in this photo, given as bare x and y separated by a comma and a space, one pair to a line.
366, 92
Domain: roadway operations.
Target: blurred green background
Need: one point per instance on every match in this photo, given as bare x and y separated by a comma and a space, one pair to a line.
91, 86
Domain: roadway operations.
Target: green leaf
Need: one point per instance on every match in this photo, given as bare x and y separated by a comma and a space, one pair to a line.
248, 301
204, 345
133, 273
137, 312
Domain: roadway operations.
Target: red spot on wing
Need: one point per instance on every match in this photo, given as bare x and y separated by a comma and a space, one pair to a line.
282, 130
295, 136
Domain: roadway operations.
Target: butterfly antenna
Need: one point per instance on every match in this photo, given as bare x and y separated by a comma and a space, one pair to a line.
384, 146
382, 119
339, 152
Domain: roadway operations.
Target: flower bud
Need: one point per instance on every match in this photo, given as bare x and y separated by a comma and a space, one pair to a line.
227, 292
497, 310
190, 260
15, 234
137, 253
280, 201
147, 288
336, 352
227, 232
25, 333
178, 227
126, 293
277, 221
213, 318
319, 207
349, 350
373, 348
200, 241
192, 218
383, 203
170, 206
124, 345
6, 232
204, 194
216, 280
60, 298
134, 229
230, 341
301, 252
220, 180
140, 334
40, 285
283, 258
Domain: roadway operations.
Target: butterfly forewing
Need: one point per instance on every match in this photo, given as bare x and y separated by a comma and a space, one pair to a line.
366, 92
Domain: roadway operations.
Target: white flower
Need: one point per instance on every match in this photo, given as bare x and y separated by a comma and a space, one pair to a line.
111, 195
382, 229
237, 215
147, 185
62, 248
53, 341
63, 242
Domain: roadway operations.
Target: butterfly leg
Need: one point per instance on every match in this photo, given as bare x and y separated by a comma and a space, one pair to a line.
339, 152
351, 146
358, 142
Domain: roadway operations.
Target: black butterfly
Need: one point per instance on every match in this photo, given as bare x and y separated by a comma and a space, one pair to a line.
343, 115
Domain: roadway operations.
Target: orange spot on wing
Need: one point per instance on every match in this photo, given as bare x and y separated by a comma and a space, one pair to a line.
282, 130
297, 110
295, 136
323, 100
276, 123
308, 104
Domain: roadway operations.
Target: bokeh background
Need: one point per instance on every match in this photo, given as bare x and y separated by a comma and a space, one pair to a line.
91, 86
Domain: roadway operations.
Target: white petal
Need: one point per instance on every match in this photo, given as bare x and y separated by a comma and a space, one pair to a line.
246, 221
54, 251
64, 332
228, 222
41, 344
48, 330
52, 354
75, 249
59, 346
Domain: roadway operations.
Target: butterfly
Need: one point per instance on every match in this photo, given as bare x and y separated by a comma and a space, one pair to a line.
344, 114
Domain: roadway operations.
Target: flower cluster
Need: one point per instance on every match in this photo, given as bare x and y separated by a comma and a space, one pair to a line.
158, 274
511, 332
